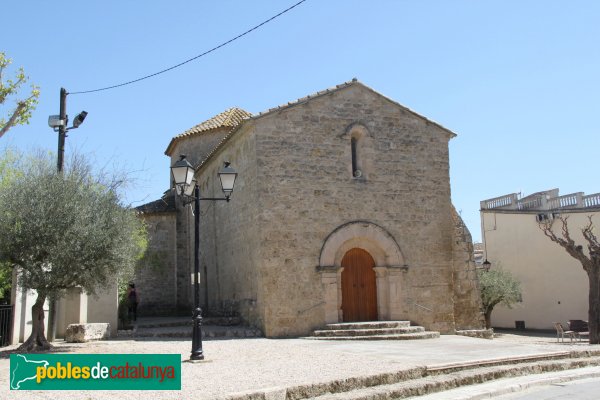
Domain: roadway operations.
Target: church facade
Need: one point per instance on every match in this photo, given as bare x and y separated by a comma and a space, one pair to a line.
341, 212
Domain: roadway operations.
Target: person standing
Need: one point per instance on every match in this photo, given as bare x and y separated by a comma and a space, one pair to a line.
132, 301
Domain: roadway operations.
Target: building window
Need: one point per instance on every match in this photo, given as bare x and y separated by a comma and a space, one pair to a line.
356, 172
360, 150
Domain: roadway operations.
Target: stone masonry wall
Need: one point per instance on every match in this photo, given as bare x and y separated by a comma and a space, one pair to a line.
197, 147
467, 298
230, 240
155, 279
307, 190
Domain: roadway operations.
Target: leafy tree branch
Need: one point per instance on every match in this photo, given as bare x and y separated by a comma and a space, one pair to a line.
9, 88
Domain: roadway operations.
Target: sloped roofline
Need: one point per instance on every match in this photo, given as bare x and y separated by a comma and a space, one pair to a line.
344, 85
230, 121
166, 204
306, 99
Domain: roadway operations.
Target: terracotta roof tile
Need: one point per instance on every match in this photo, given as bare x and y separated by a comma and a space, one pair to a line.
229, 118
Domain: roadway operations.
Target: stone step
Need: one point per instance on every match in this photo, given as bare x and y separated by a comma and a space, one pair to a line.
399, 336
368, 332
445, 381
369, 325
166, 322
208, 332
491, 368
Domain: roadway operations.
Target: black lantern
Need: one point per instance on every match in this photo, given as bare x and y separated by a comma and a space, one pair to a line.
187, 188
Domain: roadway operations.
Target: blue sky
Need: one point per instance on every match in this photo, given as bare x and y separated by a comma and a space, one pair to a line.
518, 81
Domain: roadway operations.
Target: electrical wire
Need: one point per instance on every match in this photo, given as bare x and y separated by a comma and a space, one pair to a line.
193, 58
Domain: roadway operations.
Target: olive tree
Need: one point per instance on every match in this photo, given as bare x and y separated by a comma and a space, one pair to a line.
589, 260
497, 286
61, 230
9, 91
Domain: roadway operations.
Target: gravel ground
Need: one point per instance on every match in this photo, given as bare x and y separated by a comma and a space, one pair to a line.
239, 365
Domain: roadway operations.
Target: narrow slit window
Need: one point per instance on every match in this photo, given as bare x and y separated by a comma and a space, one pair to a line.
355, 170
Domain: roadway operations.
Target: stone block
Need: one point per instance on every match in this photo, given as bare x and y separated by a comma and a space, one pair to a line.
477, 333
81, 333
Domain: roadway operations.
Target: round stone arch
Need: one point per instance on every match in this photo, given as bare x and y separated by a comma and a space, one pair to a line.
389, 265
365, 235
365, 152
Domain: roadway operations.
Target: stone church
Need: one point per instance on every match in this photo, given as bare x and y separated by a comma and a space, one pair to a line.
341, 212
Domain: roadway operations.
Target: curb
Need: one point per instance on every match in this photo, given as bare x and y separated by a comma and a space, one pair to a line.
513, 385
365, 381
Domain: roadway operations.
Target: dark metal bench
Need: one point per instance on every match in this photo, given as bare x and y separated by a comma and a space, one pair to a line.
579, 327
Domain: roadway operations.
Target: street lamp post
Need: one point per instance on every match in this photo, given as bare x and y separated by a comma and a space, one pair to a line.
486, 264
187, 188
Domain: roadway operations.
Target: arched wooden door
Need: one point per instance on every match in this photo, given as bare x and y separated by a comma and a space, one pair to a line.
359, 290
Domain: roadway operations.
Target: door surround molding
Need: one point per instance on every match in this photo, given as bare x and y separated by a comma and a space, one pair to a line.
390, 267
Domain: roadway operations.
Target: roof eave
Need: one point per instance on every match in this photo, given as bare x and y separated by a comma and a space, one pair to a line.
223, 142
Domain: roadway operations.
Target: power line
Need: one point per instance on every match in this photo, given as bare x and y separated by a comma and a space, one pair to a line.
193, 58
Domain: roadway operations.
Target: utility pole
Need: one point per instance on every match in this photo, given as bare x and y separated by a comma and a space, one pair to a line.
59, 124
62, 129
62, 135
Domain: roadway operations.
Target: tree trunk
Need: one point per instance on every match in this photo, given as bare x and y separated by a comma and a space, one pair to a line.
594, 305
37, 340
488, 318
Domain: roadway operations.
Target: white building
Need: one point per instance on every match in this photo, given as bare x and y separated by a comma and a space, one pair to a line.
76, 307
554, 285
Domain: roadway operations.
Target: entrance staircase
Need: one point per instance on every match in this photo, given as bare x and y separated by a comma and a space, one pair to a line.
373, 330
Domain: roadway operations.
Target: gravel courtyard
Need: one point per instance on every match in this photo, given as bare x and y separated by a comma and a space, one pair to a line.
240, 365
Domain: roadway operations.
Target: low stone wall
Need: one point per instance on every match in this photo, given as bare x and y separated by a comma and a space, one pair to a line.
81, 333
477, 333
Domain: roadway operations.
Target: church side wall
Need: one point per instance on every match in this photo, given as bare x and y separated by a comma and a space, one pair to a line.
230, 240
467, 297
197, 147
155, 279
307, 191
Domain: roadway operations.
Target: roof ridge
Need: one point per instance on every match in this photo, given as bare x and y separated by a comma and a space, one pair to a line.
229, 118
353, 81
342, 86
307, 97
230, 111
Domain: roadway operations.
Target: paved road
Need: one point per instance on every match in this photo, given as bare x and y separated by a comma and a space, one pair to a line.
587, 389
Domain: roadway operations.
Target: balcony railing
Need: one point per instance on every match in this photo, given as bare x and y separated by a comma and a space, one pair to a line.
509, 201
591, 200
530, 204
573, 200
543, 201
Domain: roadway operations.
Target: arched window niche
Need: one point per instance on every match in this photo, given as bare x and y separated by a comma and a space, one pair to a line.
359, 151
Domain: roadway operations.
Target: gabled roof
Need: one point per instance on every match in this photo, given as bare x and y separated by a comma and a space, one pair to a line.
229, 118
356, 82
310, 97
